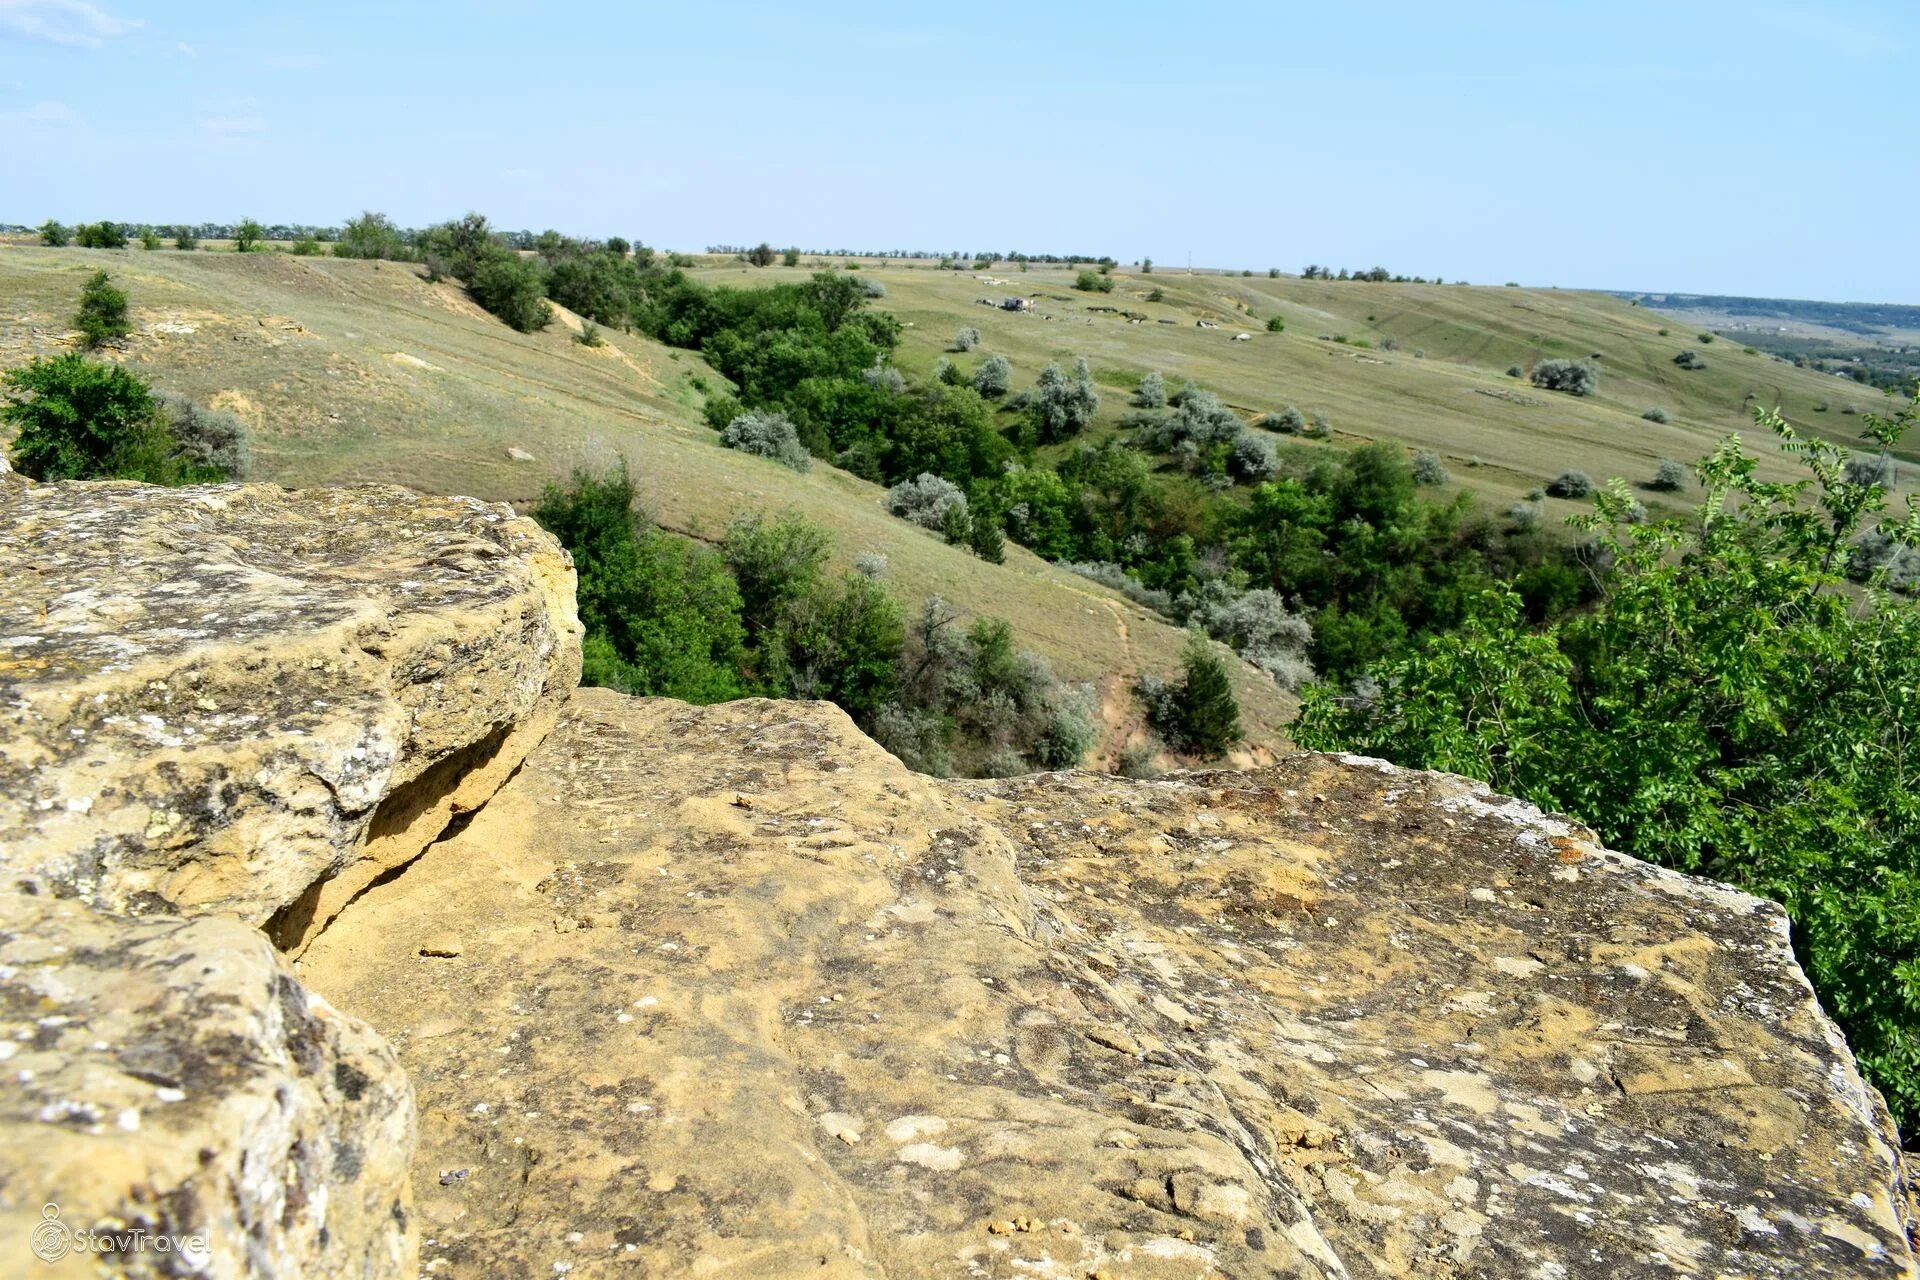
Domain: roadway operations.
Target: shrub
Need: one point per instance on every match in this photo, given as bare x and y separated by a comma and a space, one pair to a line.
967, 339
1156, 294
1704, 337
75, 417
761, 255
994, 378
1865, 469
767, 435
1669, 476
884, 377
1199, 715
1575, 377
1259, 627
1093, 282
305, 247
1253, 458
1525, 515
790, 257
1515, 371
209, 440
53, 233
662, 616
872, 288
1151, 393
510, 287
870, 564
1690, 360
185, 239
100, 235
1289, 421
986, 539
373, 235
102, 317
1192, 430
1389, 344
1428, 468
1136, 760
925, 500
949, 374
1665, 332
1322, 427
1727, 707
248, 235
1059, 408
149, 238
1655, 415
1276, 324
589, 335
1571, 484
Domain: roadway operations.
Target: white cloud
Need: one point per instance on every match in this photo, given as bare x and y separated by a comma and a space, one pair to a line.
232, 128
39, 118
70, 22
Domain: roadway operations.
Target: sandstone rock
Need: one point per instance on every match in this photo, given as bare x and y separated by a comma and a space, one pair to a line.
171, 1076
246, 700
1322, 1019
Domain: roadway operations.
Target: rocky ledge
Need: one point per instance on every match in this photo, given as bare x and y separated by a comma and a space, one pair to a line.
626, 987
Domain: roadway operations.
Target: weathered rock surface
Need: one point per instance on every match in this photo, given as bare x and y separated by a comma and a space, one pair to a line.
170, 1076
224, 708
727, 991
254, 701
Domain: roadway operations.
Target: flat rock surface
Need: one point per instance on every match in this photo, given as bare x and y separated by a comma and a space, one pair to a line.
224, 698
729, 992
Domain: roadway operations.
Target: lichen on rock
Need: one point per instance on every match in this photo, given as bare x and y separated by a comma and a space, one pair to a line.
729, 991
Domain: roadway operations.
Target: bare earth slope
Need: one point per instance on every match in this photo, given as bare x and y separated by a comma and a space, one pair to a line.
354, 371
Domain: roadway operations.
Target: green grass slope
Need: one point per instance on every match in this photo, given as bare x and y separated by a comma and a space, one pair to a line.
1456, 399
360, 371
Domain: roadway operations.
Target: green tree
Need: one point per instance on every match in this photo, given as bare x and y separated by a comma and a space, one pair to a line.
371, 235
790, 257
248, 235
78, 419
1207, 716
100, 235
511, 287
53, 233
1728, 707
103, 311
184, 238
662, 615
149, 238
761, 255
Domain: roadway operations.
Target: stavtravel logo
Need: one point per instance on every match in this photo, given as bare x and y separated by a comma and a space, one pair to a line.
53, 1240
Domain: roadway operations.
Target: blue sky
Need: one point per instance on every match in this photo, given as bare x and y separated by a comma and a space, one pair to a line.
1759, 148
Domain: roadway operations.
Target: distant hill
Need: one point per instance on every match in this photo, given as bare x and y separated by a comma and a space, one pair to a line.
1868, 319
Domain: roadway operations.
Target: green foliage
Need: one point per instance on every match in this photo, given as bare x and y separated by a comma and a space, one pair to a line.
1428, 468
1093, 282
100, 235
371, 235
305, 247
1199, 714
211, 442
761, 255
1669, 476
510, 287
78, 419
102, 317
662, 615
1276, 324
1655, 415
1728, 707
248, 235
54, 233
1152, 391
1691, 361
790, 258
967, 339
185, 239
149, 238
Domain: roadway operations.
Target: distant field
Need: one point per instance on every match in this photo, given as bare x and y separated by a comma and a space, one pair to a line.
360, 371
352, 371
1500, 436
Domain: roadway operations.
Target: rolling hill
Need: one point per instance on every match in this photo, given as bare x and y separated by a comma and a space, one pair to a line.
364, 371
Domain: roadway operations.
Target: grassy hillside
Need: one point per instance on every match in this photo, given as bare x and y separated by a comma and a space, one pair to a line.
362, 371
1456, 399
